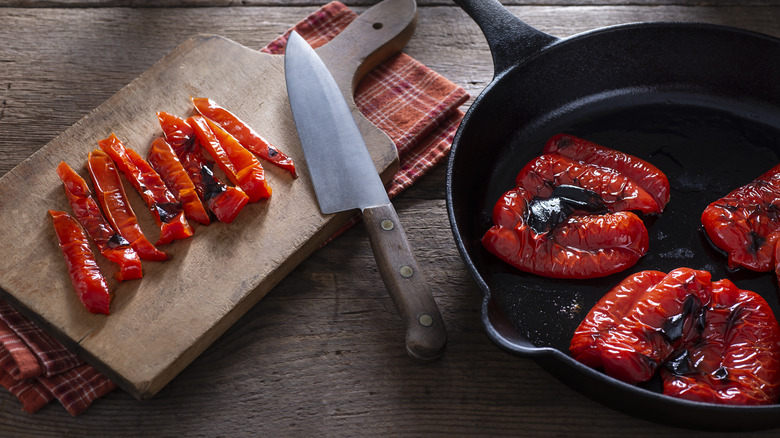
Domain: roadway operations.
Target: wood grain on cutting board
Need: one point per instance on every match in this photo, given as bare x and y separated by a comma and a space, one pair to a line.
160, 323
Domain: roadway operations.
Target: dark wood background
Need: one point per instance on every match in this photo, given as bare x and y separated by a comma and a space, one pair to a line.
323, 353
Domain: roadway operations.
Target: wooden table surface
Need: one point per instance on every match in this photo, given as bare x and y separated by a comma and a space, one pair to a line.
323, 353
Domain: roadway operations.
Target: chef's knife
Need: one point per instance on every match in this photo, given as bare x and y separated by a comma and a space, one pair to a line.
345, 178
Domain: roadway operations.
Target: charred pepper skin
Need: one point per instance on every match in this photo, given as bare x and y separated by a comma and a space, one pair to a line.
647, 176
165, 208
164, 160
111, 196
110, 243
710, 341
540, 230
226, 202
91, 286
746, 223
619, 192
582, 246
245, 135
240, 166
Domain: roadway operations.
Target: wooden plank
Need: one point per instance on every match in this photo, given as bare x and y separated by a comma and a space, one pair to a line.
112, 46
360, 3
161, 323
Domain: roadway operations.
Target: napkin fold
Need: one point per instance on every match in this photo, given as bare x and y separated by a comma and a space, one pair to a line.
415, 106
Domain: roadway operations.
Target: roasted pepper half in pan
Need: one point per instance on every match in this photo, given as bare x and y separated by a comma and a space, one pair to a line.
746, 223
647, 176
709, 340
569, 215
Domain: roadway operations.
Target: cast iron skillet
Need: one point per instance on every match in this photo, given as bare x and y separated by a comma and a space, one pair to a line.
701, 102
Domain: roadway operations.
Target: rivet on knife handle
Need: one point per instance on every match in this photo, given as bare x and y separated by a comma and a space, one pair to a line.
426, 336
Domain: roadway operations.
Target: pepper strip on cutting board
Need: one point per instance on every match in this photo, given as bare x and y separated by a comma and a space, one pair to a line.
165, 208
711, 341
240, 166
111, 244
91, 286
164, 160
222, 200
111, 196
245, 135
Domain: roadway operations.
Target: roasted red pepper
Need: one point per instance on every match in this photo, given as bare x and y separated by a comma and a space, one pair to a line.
711, 341
111, 196
240, 166
746, 223
163, 159
579, 246
644, 174
569, 218
224, 201
619, 192
165, 208
91, 287
245, 135
111, 244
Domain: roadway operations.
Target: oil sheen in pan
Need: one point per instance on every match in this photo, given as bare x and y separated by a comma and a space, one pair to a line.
705, 147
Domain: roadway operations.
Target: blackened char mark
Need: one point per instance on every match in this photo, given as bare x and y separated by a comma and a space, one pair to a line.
211, 186
117, 240
546, 214
673, 328
680, 363
168, 210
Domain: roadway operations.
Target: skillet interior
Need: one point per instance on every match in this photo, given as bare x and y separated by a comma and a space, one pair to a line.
700, 102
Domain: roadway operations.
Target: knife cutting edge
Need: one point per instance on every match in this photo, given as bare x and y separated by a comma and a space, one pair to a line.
345, 178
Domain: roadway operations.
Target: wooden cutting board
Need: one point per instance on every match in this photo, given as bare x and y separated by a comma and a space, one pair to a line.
159, 324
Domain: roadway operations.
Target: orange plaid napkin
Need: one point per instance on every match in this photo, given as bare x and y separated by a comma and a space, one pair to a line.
415, 106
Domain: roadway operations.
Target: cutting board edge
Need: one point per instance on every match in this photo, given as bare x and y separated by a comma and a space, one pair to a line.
335, 222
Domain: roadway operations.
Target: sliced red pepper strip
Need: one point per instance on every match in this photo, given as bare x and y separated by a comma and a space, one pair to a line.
165, 208
746, 223
91, 287
163, 159
111, 196
244, 134
647, 176
111, 244
582, 246
618, 191
711, 341
240, 166
224, 201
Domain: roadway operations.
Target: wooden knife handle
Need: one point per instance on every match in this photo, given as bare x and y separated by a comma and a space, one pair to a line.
426, 335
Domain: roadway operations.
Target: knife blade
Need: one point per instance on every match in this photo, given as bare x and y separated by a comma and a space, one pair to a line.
345, 178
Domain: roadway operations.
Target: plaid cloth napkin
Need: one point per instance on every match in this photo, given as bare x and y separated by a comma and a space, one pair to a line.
415, 106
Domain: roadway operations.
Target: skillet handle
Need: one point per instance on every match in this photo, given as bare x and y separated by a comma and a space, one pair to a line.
511, 40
